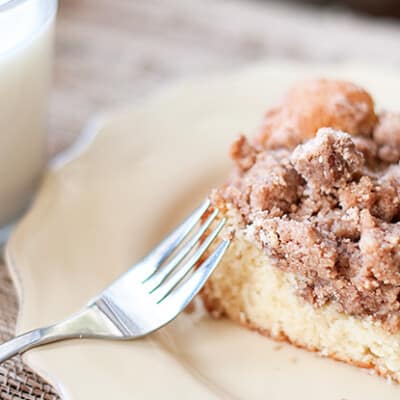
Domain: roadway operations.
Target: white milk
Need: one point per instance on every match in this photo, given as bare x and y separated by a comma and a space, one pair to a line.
26, 41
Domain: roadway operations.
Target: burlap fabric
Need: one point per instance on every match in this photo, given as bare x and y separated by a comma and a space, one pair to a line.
17, 381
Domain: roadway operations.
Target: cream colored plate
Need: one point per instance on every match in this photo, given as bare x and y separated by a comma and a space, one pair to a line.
106, 202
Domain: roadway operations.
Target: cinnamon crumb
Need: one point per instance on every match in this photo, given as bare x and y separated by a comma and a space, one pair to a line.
325, 203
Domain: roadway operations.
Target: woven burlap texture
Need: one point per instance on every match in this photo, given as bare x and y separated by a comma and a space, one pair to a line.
17, 381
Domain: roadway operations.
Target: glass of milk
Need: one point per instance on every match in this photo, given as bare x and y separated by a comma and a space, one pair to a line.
26, 44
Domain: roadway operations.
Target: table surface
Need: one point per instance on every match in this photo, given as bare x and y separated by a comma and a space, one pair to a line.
114, 52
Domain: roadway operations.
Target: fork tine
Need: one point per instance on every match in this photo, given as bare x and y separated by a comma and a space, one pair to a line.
150, 263
158, 277
165, 288
184, 294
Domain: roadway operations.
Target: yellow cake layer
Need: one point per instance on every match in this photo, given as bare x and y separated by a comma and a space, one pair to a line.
249, 290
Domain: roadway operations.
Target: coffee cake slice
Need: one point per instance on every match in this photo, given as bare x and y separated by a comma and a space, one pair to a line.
313, 206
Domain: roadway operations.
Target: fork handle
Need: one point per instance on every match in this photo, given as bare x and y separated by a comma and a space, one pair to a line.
88, 323
20, 344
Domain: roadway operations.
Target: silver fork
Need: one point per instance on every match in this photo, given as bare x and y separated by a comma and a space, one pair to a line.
148, 296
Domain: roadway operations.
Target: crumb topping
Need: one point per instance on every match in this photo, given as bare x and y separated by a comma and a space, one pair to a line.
319, 190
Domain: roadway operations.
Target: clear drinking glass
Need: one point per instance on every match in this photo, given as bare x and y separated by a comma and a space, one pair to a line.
26, 55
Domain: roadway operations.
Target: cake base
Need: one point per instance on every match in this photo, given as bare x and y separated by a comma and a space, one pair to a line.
251, 291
